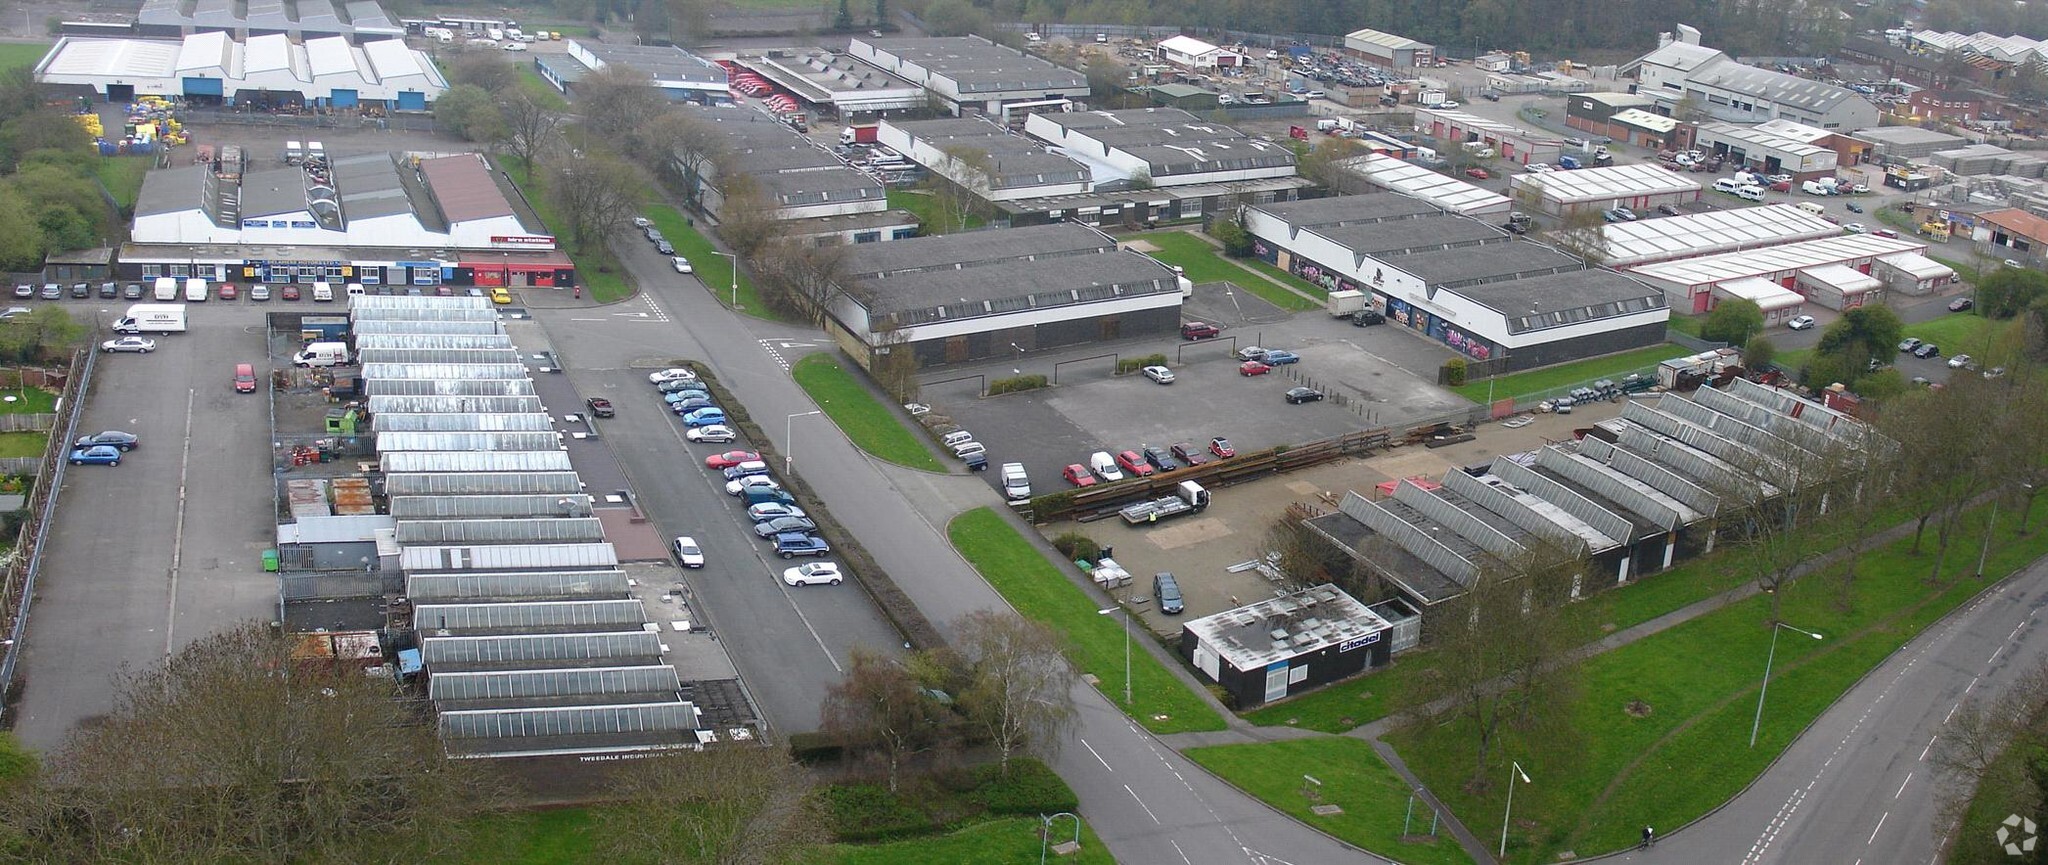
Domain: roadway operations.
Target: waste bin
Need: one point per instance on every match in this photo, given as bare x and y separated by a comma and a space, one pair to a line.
270, 560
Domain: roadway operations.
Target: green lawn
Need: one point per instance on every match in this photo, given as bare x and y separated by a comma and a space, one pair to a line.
1617, 770
532, 838
537, 87
1686, 324
927, 210
998, 842
122, 175
2003, 791
865, 420
27, 400
1538, 381
1036, 586
1374, 798
1968, 272
23, 444
1957, 333
714, 270
1201, 262
600, 272
1299, 284
14, 54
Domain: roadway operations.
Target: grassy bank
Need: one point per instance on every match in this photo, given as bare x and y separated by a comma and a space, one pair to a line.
1659, 728
1537, 381
600, 272
1036, 586
122, 176
714, 270
1201, 262
926, 208
1373, 798
864, 419
18, 54
562, 837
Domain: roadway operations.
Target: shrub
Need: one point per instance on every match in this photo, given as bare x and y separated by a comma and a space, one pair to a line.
1133, 364
1016, 384
866, 812
1028, 787
1454, 372
1237, 242
1075, 545
815, 748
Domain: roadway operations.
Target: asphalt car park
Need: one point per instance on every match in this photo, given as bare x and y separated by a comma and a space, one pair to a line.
167, 546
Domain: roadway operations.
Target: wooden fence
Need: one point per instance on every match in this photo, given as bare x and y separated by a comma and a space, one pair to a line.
1103, 500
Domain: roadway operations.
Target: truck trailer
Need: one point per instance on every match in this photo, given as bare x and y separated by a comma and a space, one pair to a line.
1189, 497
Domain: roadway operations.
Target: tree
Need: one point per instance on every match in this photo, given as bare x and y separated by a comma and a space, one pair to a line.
616, 99
962, 187
1783, 482
1019, 685
1734, 320
532, 128
1327, 164
1943, 435
892, 362
1998, 743
2007, 291
595, 195
235, 750
798, 276
1237, 242
1862, 335
695, 147
1106, 77
484, 70
469, 111
733, 803
21, 242
882, 711
954, 18
1758, 352
748, 217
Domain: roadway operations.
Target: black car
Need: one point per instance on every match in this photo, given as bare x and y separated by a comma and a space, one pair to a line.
1667, 209
599, 406
131, 291
1927, 349
1960, 304
1367, 317
124, 441
110, 290
81, 290
1299, 395
663, 247
1160, 458
1189, 453
779, 525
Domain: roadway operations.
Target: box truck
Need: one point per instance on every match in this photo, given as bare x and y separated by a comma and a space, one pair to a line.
166, 288
862, 134
152, 318
1344, 303
322, 354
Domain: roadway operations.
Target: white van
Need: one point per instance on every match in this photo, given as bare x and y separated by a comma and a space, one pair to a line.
323, 292
1727, 184
1812, 208
1818, 187
355, 289
1750, 193
166, 288
195, 290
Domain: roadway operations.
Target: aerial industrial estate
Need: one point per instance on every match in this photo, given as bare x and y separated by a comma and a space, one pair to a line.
1486, 420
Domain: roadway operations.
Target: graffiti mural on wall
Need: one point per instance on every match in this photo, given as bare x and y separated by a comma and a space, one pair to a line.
1316, 275
1408, 316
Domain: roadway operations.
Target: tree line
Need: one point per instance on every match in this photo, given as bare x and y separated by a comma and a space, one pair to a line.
49, 201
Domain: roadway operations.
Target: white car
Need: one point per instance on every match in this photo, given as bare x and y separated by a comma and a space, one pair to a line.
642, 222
515, 46
687, 553
1541, 168
1800, 322
1779, 178
773, 510
737, 486
1858, 188
1448, 103
917, 408
1159, 374
713, 434
682, 265
1959, 361
129, 343
813, 574
1853, 228
674, 373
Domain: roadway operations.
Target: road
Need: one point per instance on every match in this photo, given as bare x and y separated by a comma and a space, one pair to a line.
1859, 786
1146, 802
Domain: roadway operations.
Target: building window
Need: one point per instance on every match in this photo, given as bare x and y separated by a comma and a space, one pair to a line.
181, 270
150, 271
333, 272
866, 236
1191, 207
370, 275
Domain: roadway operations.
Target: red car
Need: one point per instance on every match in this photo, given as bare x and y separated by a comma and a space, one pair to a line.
288, 292
1477, 173
1199, 330
1135, 463
1221, 448
1078, 475
228, 291
729, 459
1253, 367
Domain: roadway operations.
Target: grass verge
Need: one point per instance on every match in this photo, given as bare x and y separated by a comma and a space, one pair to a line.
600, 272
538, 88
1201, 262
1538, 381
559, 835
1957, 333
2004, 790
864, 419
1969, 273
18, 54
562, 837
1302, 285
1658, 729
1686, 324
926, 208
1353, 778
122, 176
713, 269
22, 444
1095, 643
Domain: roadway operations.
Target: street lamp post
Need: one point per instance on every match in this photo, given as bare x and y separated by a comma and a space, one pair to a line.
1517, 772
1127, 647
789, 438
735, 276
1768, 659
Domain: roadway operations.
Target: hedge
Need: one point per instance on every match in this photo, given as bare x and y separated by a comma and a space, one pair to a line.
1030, 787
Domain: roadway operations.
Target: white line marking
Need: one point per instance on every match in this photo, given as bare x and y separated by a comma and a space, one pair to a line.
1880, 825
1141, 803
178, 537
1902, 786
1098, 757
1951, 711
1183, 853
1930, 747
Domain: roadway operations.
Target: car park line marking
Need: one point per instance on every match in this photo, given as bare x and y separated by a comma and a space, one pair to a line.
178, 535
1902, 786
1098, 756
1930, 747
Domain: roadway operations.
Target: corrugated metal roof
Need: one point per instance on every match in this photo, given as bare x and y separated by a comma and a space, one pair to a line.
366, 341
456, 461
523, 684
1448, 193
517, 648
439, 484
448, 404
514, 615
569, 721
1693, 234
433, 314
333, 529
444, 387
393, 442
1611, 182
417, 507
365, 327
515, 585
453, 422
374, 371
463, 186
530, 530
422, 307
469, 356
508, 557
1710, 269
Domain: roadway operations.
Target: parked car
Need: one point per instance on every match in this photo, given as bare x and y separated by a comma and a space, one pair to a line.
1276, 357
789, 545
1133, 463
1299, 395
103, 455
132, 291
24, 292
1104, 466
1800, 322
1159, 374
259, 293
654, 235
1198, 330
501, 296
109, 290
1188, 453
813, 574
773, 526
1854, 228
53, 291
1251, 352
228, 291
1368, 317
599, 406
642, 222
1959, 361
1927, 349
81, 290
704, 417
284, 292
682, 384
740, 486
1078, 475
674, 373
1667, 209
681, 264
1253, 367
129, 343
1220, 446
730, 458
1960, 304
686, 551
1477, 174
691, 403
113, 437
748, 469
713, 434
664, 247
1618, 214
1910, 343
772, 511
1160, 458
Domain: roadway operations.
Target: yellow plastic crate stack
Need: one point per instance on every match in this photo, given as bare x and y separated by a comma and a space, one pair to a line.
91, 122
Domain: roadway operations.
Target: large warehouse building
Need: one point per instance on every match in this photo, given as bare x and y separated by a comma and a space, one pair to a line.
1690, 284
1513, 143
840, 85
1463, 282
1623, 244
1450, 193
1682, 69
964, 297
805, 183
266, 71
986, 159
969, 73
1389, 50
357, 20
678, 74
1160, 147
1639, 186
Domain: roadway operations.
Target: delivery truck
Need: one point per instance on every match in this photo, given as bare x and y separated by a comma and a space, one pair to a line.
860, 134
322, 354
152, 318
1343, 303
1189, 497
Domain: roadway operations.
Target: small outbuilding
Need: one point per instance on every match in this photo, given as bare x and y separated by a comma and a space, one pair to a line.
1273, 649
1838, 287
1779, 303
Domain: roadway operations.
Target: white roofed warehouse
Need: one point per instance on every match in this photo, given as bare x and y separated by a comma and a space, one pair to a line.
1513, 143
1641, 186
265, 71
1192, 53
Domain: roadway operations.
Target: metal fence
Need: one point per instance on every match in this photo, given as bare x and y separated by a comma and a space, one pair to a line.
18, 583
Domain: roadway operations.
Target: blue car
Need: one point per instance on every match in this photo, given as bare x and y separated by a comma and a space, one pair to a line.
103, 455
704, 417
1275, 357
676, 396
690, 405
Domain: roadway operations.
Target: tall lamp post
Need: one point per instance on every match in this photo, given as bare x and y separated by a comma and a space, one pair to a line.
1127, 647
1516, 768
1768, 659
789, 438
735, 275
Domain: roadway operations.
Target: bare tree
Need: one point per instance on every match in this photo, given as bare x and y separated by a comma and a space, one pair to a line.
892, 362
962, 187
533, 130
731, 804
1970, 753
1775, 505
614, 100
684, 149
1019, 685
235, 750
1328, 164
595, 193
747, 212
1943, 436
485, 70
800, 276
882, 711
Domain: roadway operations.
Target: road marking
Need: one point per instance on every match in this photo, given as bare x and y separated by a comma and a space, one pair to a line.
590, 319
1141, 803
772, 346
1902, 786
1930, 747
1951, 711
1098, 756
1880, 825
1183, 853
178, 537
